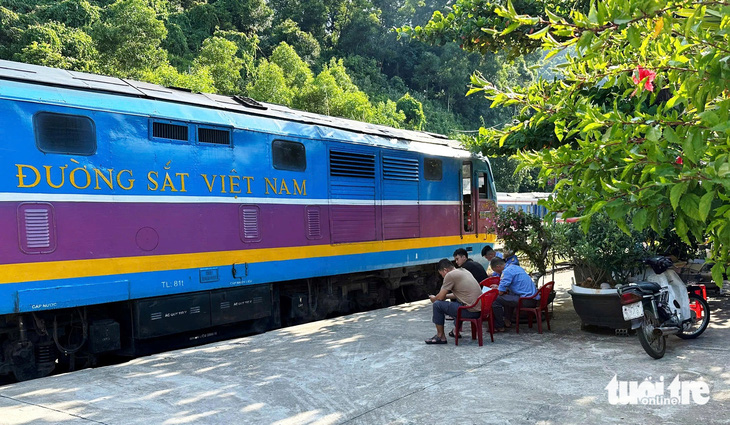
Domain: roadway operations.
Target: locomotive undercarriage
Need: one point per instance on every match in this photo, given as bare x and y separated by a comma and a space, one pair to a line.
33, 345
319, 298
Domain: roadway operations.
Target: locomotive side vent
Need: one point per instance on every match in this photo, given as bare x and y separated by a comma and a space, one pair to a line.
395, 168
350, 164
314, 223
213, 135
36, 228
249, 226
164, 130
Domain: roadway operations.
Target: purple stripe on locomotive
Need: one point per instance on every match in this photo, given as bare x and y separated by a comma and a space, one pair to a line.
103, 230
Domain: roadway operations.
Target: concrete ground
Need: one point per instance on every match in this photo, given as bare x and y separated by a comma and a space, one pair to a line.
373, 368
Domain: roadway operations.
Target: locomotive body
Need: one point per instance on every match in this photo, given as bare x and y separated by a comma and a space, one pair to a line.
134, 214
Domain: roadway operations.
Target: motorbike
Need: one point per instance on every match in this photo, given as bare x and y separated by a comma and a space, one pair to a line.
660, 304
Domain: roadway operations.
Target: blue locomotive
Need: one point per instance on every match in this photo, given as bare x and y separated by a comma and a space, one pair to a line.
136, 217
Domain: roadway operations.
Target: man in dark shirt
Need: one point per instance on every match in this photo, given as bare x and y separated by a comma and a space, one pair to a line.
461, 258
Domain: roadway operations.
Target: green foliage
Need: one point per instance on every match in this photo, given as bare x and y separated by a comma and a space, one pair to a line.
129, 41
387, 113
247, 47
526, 233
269, 84
166, 75
72, 13
477, 26
644, 96
128, 38
296, 71
247, 16
53, 44
602, 251
219, 56
413, 111
304, 43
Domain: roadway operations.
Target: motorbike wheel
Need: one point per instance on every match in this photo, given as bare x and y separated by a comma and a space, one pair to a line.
655, 346
700, 311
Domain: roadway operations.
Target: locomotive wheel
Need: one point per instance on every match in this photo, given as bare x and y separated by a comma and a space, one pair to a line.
25, 364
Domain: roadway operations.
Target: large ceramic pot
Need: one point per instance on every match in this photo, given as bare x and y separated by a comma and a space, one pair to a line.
598, 307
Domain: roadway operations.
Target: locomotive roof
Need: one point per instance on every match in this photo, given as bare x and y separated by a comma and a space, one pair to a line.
55, 77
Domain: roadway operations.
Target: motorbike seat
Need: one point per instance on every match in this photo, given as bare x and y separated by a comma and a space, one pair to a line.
648, 288
659, 264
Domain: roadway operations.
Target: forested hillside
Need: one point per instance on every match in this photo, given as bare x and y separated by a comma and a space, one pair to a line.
335, 57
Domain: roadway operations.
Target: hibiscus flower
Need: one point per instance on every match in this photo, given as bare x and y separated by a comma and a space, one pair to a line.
645, 75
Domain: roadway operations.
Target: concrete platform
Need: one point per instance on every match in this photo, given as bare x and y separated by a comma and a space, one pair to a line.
373, 368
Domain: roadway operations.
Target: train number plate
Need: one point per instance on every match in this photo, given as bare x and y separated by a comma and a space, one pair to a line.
632, 311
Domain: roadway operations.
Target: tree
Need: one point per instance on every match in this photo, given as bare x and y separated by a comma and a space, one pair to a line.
296, 71
53, 44
72, 13
269, 84
166, 75
386, 113
247, 16
304, 43
129, 37
640, 115
412, 110
219, 56
468, 19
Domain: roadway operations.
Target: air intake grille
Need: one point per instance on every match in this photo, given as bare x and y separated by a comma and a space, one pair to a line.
212, 135
250, 231
36, 228
348, 164
169, 131
395, 168
314, 223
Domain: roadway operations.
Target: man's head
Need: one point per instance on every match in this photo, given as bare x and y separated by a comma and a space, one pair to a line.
497, 264
444, 266
488, 253
460, 256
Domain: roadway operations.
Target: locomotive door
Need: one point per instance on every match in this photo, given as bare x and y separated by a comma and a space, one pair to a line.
486, 204
468, 206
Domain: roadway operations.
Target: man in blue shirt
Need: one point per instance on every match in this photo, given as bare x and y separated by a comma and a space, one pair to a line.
511, 258
514, 282
488, 253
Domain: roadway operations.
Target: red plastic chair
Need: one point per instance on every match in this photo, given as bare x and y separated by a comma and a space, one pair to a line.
494, 280
487, 299
542, 306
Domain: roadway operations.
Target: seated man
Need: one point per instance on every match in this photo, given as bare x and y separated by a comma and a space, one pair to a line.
464, 288
514, 283
511, 258
488, 253
461, 258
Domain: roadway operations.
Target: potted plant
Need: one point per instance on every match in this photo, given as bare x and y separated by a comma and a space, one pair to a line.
603, 256
525, 233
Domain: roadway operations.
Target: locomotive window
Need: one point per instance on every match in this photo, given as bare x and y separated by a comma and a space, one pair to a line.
289, 155
484, 186
432, 169
66, 134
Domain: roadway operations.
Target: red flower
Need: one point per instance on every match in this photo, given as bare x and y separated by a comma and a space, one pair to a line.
679, 160
647, 76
